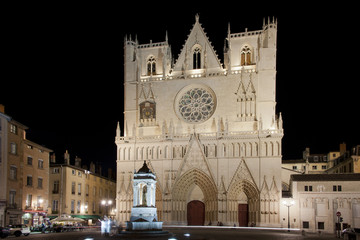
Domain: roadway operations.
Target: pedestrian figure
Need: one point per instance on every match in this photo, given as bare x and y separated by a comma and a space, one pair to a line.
105, 226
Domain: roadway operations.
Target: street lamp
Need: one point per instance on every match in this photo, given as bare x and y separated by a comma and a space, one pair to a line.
288, 204
40, 201
106, 204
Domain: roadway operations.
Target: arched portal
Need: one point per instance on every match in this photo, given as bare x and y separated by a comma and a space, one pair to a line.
244, 204
194, 183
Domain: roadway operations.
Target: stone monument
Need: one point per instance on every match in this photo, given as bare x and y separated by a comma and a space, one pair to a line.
144, 213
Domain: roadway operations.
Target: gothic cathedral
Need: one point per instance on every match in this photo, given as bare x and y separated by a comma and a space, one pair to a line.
208, 130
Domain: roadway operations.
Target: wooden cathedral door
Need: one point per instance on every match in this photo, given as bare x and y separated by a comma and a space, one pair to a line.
196, 213
243, 215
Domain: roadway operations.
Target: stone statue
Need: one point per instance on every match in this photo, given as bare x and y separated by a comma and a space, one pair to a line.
144, 191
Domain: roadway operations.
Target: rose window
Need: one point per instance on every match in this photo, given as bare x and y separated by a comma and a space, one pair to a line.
196, 105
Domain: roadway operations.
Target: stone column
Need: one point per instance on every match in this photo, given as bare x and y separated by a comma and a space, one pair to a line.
136, 195
154, 195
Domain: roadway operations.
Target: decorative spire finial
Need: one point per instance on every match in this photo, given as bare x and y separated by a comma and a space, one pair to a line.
197, 17
118, 131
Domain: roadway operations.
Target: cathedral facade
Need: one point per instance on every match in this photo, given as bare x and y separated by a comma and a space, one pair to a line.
207, 129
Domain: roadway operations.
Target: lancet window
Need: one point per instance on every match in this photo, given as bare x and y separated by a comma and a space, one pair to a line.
151, 66
245, 56
197, 58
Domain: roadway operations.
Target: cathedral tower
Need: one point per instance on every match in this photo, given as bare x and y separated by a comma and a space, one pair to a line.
209, 131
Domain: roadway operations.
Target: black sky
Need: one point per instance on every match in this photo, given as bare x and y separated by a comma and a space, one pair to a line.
63, 69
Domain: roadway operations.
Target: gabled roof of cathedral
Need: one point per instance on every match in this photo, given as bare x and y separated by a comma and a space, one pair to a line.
197, 37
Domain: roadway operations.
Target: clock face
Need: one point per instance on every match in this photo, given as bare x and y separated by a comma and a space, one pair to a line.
147, 110
195, 103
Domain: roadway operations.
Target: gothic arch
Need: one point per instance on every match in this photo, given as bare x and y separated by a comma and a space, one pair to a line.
236, 190
246, 55
180, 195
196, 52
151, 65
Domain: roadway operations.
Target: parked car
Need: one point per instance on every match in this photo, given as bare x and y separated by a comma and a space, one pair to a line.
19, 229
4, 232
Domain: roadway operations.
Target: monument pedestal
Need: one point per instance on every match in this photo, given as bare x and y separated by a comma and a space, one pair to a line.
143, 221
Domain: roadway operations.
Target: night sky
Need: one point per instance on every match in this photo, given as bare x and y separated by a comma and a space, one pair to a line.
63, 69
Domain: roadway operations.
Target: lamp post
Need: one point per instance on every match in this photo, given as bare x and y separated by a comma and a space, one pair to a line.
288, 204
106, 204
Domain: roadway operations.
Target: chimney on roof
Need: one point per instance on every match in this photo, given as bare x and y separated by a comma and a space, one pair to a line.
77, 162
99, 169
306, 153
52, 158
357, 150
342, 148
2, 108
92, 167
67, 157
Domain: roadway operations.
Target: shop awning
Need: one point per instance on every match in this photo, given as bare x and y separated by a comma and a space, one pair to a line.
86, 216
34, 211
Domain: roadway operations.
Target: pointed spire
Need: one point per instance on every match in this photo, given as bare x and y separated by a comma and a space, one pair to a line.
151, 93
264, 188
280, 122
213, 125
273, 187
171, 128
166, 36
118, 130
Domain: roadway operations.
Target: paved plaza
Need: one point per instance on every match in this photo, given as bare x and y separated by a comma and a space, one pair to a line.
191, 233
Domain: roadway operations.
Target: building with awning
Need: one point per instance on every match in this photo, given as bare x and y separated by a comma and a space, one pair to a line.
80, 192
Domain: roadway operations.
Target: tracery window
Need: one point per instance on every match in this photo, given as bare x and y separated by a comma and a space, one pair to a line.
196, 105
197, 58
245, 56
151, 66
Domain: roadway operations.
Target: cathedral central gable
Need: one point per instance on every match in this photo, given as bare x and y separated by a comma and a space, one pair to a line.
197, 52
194, 158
